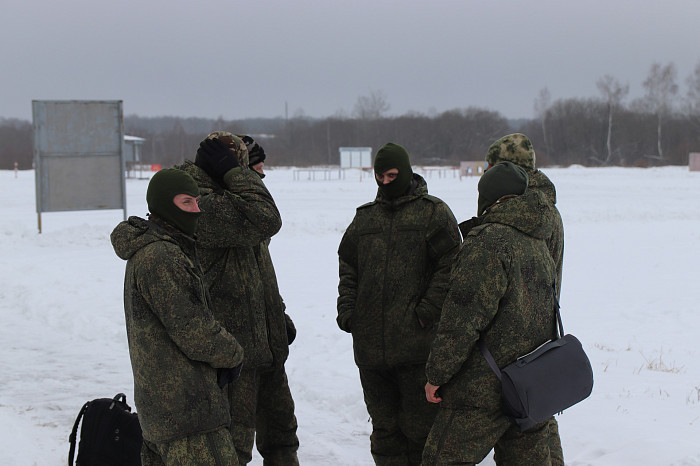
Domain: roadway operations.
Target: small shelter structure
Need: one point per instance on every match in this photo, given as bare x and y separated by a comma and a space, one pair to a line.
694, 161
132, 156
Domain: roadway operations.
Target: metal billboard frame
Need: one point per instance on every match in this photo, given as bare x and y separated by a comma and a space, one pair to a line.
79, 155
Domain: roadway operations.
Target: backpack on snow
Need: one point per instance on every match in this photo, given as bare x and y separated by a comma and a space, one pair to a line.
111, 434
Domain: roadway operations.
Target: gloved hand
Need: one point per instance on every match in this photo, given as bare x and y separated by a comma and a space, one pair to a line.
291, 329
215, 158
226, 376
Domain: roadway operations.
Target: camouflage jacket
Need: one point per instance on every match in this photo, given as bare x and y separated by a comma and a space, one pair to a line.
538, 181
502, 288
395, 260
175, 344
277, 318
235, 220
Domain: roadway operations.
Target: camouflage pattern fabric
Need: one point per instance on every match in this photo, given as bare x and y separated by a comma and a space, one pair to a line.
555, 243
518, 149
401, 416
275, 423
235, 219
234, 142
262, 410
277, 319
175, 343
515, 148
242, 400
210, 449
465, 436
501, 289
395, 260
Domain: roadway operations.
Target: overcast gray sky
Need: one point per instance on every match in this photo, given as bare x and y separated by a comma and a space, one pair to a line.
236, 59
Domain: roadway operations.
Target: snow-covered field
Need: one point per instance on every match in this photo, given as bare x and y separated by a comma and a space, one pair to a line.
630, 293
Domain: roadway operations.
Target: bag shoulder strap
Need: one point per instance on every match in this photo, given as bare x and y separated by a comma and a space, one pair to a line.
556, 309
73, 435
489, 357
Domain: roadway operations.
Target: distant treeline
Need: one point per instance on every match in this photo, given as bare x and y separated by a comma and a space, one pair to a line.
658, 129
576, 133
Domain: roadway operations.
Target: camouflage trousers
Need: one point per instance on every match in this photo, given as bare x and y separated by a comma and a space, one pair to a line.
242, 398
261, 403
208, 449
276, 424
466, 436
554, 442
401, 416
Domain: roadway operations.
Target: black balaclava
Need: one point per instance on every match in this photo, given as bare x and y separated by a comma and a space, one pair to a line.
500, 180
163, 187
393, 156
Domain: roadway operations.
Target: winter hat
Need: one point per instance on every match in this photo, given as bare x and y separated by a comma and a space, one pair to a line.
515, 148
163, 187
393, 156
233, 142
256, 154
500, 180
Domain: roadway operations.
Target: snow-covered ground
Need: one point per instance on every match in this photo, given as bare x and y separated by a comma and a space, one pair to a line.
630, 293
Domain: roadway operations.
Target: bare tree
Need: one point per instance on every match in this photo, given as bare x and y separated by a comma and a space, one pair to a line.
661, 89
613, 94
372, 106
576, 127
693, 101
541, 106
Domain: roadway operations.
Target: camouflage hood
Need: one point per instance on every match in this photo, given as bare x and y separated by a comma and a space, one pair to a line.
529, 213
134, 234
539, 182
206, 183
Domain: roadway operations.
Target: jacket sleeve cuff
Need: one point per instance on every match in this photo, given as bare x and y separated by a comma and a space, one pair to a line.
343, 321
230, 175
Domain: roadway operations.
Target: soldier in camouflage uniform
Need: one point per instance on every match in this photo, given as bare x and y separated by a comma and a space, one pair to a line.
276, 424
501, 290
238, 214
395, 260
518, 149
175, 344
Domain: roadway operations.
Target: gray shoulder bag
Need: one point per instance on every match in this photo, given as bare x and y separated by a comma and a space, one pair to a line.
546, 381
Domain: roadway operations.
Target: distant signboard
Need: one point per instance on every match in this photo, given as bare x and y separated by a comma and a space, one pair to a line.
471, 168
355, 157
78, 155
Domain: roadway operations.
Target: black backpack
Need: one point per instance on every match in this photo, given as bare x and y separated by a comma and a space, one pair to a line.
111, 434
